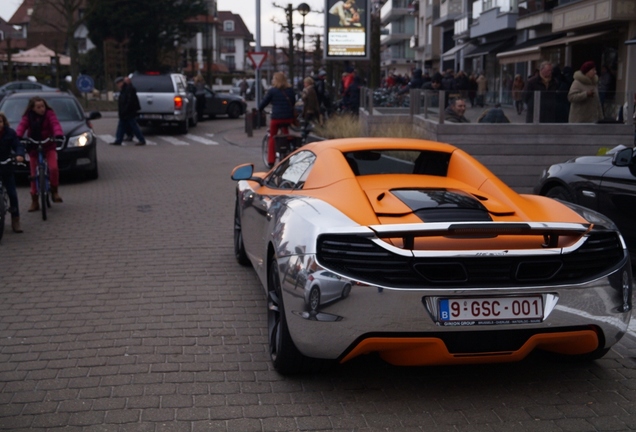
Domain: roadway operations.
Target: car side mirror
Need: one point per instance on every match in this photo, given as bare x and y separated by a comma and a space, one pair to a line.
624, 157
94, 115
245, 172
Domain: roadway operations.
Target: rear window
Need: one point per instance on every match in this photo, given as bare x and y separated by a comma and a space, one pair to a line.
66, 109
153, 83
370, 162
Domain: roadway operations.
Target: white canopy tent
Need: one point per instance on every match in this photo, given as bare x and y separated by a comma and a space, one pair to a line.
38, 55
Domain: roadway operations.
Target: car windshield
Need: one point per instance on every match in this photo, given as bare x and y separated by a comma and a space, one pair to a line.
369, 162
65, 108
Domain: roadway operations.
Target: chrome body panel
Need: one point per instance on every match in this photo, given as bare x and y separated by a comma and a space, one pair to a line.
288, 225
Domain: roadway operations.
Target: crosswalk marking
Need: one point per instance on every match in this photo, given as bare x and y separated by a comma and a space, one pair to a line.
110, 138
175, 141
201, 139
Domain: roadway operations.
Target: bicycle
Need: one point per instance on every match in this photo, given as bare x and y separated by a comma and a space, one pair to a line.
286, 143
41, 177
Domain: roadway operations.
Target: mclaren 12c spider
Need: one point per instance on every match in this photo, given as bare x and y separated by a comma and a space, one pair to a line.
433, 259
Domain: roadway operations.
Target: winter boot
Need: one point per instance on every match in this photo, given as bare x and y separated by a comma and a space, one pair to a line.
56, 196
15, 224
35, 205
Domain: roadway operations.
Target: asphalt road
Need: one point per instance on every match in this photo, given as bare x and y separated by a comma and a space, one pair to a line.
126, 311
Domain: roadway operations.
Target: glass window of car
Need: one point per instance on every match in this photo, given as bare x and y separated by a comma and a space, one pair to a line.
66, 109
292, 172
369, 162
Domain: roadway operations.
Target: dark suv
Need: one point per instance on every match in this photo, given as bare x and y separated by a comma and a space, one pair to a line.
165, 99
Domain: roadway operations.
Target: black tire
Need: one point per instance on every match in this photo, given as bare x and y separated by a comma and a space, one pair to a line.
264, 150
314, 299
194, 120
234, 110
284, 354
44, 193
346, 290
184, 126
561, 193
3, 211
239, 247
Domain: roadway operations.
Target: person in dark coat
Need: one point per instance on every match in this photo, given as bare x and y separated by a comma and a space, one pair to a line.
282, 98
351, 97
10, 144
455, 111
493, 115
545, 83
127, 108
564, 82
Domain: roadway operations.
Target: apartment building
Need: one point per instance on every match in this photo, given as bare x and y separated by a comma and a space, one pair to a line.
398, 23
502, 38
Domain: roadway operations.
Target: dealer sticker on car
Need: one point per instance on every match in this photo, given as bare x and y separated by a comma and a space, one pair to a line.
489, 310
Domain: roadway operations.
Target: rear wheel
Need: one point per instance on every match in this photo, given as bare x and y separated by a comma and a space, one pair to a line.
314, 299
561, 193
234, 110
184, 126
264, 150
239, 248
283, 352
345, 291
44, 193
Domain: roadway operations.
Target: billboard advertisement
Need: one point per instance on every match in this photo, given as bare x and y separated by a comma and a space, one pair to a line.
347, 28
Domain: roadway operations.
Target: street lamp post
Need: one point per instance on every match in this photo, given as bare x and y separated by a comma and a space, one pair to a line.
298, 37
303, 9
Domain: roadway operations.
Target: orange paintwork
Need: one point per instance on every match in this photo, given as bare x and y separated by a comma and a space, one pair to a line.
332, 181
432, 351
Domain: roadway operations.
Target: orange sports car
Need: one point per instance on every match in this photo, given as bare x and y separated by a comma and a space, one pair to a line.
430, 259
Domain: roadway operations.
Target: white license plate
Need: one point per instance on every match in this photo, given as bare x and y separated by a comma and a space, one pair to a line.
151, 116
491, 310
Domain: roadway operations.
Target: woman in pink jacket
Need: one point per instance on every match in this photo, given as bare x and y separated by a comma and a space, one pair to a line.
39, 122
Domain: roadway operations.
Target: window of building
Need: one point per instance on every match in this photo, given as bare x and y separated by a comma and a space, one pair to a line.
228, 26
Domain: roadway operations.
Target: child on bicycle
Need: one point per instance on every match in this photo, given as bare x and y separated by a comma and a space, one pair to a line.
10, 144
40, 121
282, 98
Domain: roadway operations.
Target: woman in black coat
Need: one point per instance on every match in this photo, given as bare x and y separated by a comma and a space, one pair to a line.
10, 144
282, 98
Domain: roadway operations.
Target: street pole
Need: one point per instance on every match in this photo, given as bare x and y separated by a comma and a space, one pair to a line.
257, 86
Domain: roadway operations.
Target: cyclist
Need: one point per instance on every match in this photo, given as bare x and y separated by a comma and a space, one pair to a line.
9, 143
282, 98
40, 121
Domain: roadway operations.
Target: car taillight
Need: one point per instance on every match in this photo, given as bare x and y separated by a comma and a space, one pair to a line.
178, 102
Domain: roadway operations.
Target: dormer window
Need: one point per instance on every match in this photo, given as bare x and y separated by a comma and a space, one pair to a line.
228, 26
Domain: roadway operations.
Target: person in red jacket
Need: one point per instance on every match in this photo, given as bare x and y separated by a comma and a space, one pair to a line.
39, 122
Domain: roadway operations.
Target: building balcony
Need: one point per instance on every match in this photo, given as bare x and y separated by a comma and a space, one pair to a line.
394, 9
448, 11
228, 50
529, 7
493, 20
394, 38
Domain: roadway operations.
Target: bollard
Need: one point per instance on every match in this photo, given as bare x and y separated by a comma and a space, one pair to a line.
249, 123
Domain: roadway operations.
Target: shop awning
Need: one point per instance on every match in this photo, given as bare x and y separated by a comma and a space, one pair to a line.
568, 40
525, 51
449, 55
488, 48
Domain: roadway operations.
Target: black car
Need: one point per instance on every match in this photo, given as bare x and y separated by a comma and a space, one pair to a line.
219, 103
605, 183
24, 86
78, 153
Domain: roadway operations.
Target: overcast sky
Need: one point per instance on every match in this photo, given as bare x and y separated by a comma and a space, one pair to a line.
247, 10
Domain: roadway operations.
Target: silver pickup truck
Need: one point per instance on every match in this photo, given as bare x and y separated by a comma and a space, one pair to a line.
164, 99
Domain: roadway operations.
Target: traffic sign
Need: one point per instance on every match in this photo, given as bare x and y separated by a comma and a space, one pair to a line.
85, 83
257, 58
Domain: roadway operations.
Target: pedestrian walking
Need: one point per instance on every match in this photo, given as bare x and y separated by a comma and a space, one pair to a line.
199, 92
127, 107
585, 104
311, 106
517, 93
